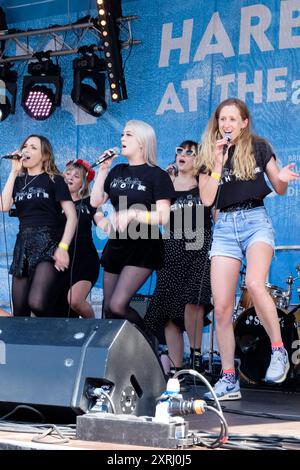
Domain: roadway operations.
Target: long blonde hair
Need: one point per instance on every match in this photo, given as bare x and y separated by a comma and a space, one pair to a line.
146, 138
243, 158
49, 165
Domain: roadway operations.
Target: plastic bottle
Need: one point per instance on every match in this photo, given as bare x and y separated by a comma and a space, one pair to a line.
162, 408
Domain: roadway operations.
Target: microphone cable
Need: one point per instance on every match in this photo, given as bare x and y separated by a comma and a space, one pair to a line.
216, 201
75, 240
5, 246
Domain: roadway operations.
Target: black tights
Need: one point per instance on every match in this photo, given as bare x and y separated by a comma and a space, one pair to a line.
118, 291
35, 295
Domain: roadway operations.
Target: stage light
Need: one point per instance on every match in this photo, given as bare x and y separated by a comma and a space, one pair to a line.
89, 83
8, 87
42, 89
109, 12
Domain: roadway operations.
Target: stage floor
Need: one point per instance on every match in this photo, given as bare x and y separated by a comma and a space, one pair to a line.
270, 417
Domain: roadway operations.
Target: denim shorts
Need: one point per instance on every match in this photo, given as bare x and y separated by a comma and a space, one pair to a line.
236, 231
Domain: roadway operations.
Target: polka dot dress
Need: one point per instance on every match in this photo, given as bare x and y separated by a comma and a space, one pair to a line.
184, 279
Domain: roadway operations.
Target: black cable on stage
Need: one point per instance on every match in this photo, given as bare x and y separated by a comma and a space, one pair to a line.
217, 197
5, 245
282, 417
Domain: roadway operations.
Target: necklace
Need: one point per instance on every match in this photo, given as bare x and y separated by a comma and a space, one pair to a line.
29, 182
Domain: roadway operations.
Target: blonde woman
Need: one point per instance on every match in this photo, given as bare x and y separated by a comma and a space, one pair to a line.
85, 263
232, 165
140, 193
41, 250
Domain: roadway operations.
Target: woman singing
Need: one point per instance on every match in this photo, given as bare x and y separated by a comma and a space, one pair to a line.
140, 193
41, 250
85, 263
232, 176
182, 294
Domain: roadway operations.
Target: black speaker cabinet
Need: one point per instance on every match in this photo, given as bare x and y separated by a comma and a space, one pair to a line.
55, 364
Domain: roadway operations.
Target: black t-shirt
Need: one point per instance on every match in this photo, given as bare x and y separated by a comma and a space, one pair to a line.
234, 191
141, 184
128, 185
37, 199
85, 214
184, 210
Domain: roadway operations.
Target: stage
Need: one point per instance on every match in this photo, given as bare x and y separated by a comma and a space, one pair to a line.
263, 419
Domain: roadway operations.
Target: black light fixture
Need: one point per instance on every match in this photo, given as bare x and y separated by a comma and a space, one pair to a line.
108, 24
8, 89
89, 82
42, 89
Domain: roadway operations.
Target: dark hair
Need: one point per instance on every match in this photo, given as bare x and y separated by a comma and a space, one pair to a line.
188, 143
47, 152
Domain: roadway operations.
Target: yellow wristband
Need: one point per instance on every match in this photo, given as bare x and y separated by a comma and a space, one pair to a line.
216, 176
63, 246
147, 217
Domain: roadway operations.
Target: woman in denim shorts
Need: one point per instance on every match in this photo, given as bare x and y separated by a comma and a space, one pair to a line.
232, 163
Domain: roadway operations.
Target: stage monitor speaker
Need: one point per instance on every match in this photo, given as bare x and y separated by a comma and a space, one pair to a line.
57, 366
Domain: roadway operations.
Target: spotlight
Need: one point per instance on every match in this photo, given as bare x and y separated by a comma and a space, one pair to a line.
109, 12
89, 83
42, 89
8, 79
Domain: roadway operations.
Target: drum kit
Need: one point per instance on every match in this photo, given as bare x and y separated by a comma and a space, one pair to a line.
253, 348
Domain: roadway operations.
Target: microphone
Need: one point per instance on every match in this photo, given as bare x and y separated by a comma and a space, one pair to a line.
227, 136
173, 169
106, 156
15, 157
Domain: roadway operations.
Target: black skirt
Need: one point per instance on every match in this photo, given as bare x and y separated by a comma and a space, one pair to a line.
144, 253
86, 264
33, 245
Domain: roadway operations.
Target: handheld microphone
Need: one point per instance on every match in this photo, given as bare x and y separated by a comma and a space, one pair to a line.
227, 136
106, 155
173, 168
15, 157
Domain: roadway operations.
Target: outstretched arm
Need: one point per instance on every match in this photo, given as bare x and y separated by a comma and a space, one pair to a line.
280, 178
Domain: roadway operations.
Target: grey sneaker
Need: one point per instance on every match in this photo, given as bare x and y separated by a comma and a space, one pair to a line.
278, 368
225, 390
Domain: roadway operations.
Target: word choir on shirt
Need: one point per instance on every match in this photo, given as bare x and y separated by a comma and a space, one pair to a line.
31, 193
128, 183
227, 175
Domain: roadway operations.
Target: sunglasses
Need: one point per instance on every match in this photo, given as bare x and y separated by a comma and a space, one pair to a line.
187, 152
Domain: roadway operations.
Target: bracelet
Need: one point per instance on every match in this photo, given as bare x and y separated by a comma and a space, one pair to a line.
147, 217
216, 176
63, 246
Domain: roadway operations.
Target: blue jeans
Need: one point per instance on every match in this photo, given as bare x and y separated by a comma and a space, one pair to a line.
236, 231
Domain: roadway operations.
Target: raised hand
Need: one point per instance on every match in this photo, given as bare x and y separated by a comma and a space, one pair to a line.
286, 174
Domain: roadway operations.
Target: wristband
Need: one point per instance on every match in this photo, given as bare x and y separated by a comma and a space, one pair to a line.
216, 176
63, 246
147, 217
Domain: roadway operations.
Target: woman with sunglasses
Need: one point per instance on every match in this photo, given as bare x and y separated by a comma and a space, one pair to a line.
85, 262
182, 295
232, 177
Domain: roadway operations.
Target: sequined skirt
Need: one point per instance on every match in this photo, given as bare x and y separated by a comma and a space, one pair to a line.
33, 245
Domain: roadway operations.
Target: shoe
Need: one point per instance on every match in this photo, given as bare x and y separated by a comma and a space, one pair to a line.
225, 390
278, 368
196, 362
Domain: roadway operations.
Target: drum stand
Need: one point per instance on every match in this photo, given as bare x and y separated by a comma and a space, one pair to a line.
211, 360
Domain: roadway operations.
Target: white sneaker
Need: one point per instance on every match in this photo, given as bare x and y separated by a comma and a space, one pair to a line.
278, 368
225, 390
